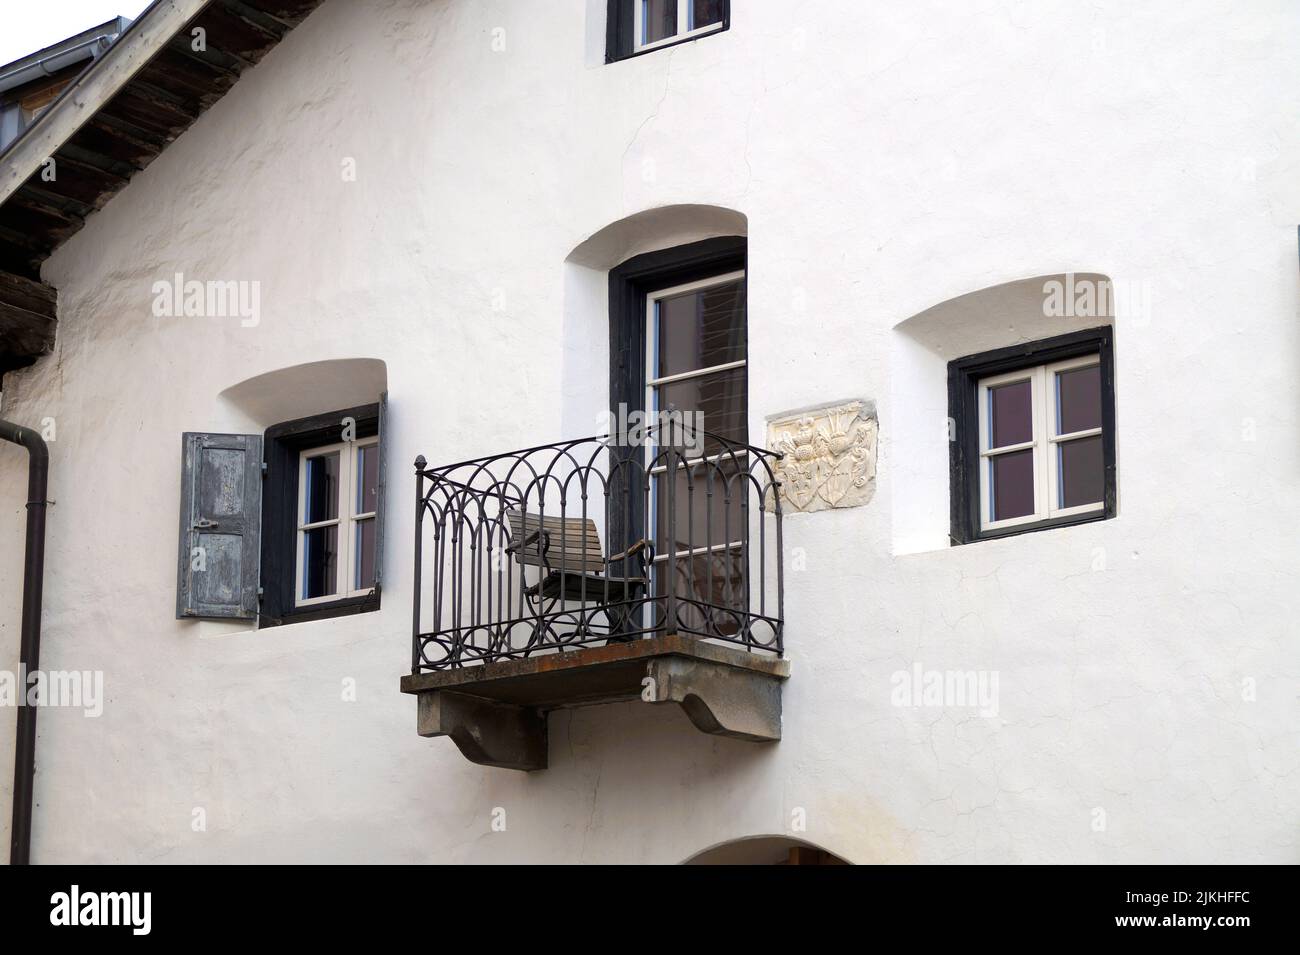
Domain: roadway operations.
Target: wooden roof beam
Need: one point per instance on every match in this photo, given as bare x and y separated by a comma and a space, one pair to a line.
27, 319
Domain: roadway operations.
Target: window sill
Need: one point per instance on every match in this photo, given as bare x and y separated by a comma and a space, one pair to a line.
1046, 525
669, 44
323, 611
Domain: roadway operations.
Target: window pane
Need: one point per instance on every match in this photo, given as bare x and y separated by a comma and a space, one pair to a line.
367, 479
701, 329
321, 499
698, 519
319, 561
720, 397
1081, 471
1011, 414
1078, 399
660, 19
1013, 485
365, 571
704, 12
707, 586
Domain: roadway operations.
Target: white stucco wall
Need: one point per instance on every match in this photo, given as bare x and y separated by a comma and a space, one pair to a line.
886, 157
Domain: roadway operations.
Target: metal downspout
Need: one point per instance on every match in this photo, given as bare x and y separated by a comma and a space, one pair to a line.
38, 470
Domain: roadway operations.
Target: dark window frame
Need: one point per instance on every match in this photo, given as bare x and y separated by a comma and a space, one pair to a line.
964, 375
283, 443
629, 286
620, 44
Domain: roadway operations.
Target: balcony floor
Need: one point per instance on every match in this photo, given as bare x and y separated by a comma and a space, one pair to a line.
496, 712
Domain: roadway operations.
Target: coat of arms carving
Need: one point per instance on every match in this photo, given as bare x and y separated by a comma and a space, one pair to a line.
828, 455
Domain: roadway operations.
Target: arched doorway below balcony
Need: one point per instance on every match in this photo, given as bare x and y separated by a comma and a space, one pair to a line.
766, 850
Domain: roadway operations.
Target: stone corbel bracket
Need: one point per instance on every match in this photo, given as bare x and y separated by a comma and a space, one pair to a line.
486, 732
496, 714
717, 698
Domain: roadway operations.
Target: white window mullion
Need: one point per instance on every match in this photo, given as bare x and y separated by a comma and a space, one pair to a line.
341, 552
1043, 486
986, 460
1054, 457
346, 506
298, 539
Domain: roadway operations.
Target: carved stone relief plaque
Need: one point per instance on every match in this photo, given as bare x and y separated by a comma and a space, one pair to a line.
828, 455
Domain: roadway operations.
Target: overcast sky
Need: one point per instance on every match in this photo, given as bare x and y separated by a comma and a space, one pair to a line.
30, 26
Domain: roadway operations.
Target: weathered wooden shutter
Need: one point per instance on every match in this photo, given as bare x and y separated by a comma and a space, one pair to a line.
220, 529
379, 497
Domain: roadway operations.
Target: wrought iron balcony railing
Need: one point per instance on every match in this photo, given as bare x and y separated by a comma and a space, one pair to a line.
595, 541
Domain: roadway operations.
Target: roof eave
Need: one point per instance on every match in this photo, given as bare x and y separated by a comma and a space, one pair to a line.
92, 89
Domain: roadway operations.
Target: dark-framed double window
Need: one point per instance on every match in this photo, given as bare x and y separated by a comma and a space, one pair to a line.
321, 526
1032, 431
285, 526
634, 27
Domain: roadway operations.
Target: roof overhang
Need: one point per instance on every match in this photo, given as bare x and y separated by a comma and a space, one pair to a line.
92, 89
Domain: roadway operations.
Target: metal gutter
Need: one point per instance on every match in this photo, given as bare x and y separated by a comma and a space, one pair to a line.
87, 46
